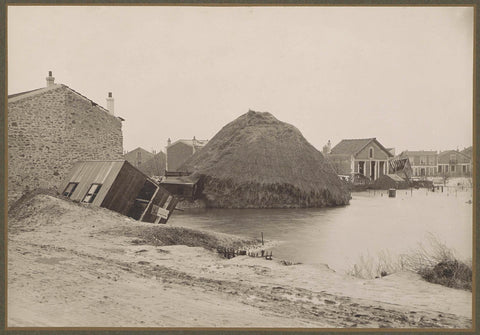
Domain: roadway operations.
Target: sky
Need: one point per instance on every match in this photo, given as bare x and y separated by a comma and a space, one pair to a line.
401, 74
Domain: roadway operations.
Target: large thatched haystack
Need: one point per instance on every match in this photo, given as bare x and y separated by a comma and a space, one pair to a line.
257, 161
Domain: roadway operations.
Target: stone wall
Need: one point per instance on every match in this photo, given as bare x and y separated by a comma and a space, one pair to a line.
51, 130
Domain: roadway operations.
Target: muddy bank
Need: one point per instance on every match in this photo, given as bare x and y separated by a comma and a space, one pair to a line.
75, 266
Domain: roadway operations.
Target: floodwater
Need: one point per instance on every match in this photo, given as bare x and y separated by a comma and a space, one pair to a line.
371, 225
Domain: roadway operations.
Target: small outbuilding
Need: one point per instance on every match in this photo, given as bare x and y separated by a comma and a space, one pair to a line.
390, 181
119, 186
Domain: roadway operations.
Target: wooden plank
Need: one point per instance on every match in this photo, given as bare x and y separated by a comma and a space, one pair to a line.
149, 204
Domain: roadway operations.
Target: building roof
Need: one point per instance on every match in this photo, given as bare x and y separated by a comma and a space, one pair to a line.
395, 177
354, 146
454, 152
193, 143
27, 94
419, 153
180, 180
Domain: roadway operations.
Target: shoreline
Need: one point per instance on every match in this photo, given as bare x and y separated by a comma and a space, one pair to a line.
71, 266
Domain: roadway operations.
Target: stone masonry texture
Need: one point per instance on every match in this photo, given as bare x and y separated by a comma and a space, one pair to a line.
49, 131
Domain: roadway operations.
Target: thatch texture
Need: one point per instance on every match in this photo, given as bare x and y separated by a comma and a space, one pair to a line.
257, 161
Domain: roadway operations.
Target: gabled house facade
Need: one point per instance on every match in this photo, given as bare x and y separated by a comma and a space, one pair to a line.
179, 151
51, 128
367, 157
138, 156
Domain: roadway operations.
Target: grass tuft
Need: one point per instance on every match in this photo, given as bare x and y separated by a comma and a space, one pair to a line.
435, 262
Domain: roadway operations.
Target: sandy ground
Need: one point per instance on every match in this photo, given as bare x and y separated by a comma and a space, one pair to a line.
70, 266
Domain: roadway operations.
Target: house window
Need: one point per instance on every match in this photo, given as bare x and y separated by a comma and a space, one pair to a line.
453, 168
70, 189
92, 193
440, 168
464, 167
370, 153
446, 168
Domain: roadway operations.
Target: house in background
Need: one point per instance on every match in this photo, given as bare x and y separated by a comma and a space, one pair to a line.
51, 128
138, 156
423, 163
179, 151
468, 151
155, 166
454, 163
367, 157
119, 186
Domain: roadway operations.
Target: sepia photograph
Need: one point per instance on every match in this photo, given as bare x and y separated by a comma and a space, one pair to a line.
233, 166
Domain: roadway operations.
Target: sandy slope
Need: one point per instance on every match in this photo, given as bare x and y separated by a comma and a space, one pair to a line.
75, 266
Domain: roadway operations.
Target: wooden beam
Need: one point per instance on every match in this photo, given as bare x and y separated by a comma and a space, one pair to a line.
149, 204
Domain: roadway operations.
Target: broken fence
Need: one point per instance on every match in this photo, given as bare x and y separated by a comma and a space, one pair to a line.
231, 252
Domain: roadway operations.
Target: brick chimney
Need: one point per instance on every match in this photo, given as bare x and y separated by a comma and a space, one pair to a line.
50, 79
110, 106
169, 141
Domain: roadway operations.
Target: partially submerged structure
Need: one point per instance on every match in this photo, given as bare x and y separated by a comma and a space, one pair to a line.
401, 167
390, 181
257, 161
119, 186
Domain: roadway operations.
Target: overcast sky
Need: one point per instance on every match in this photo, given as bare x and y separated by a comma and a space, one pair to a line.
401, 74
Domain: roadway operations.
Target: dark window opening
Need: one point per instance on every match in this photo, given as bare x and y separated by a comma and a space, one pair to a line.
70, 189
92, 193
371, 153
361, 168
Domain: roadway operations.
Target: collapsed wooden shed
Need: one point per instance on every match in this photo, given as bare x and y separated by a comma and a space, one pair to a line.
119, 186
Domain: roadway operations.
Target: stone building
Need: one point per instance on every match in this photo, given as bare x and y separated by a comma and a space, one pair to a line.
179, 151
51, 128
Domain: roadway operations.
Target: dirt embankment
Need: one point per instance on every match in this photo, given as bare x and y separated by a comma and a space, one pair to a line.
70, 265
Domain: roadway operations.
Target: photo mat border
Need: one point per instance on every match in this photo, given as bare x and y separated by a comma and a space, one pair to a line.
182, 330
